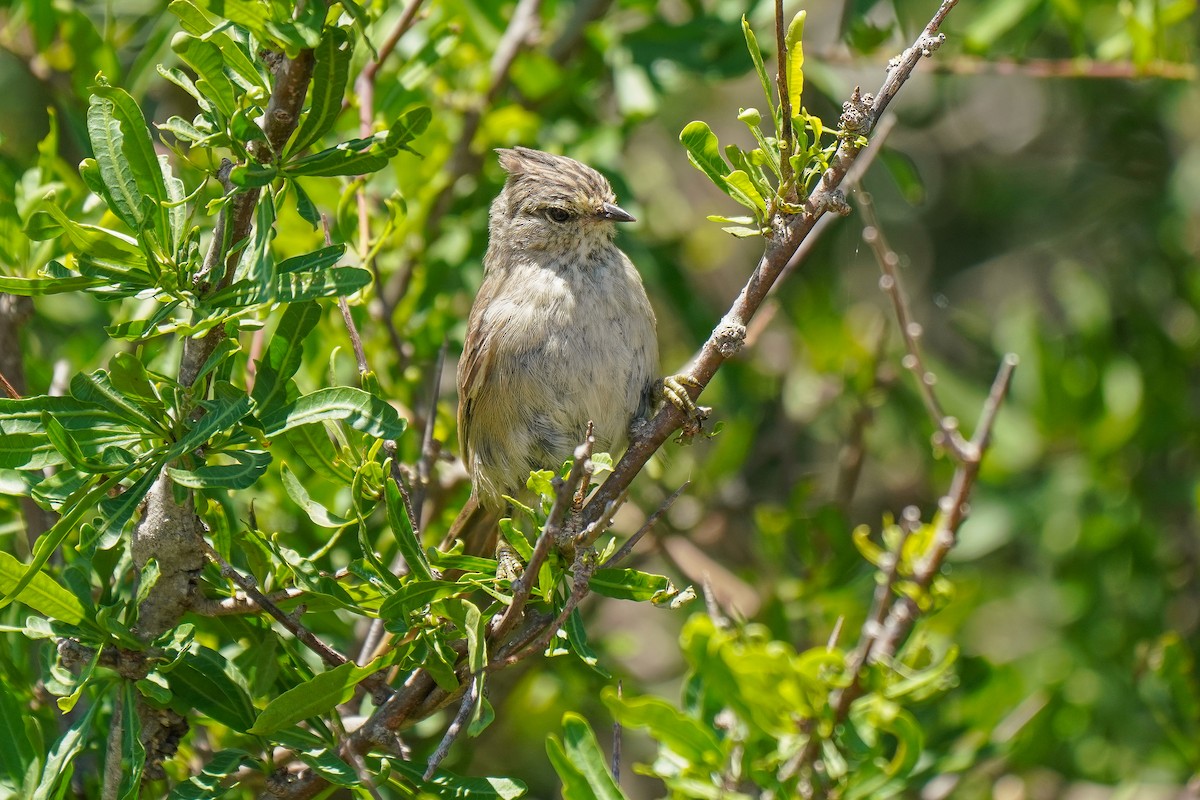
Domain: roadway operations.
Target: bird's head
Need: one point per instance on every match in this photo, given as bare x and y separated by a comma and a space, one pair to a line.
552, 202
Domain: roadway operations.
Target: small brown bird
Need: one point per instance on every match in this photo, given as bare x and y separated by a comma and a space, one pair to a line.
560, 334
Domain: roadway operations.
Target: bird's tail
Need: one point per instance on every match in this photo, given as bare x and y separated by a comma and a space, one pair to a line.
477, 527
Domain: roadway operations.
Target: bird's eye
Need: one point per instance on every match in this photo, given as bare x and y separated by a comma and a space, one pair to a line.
558, 214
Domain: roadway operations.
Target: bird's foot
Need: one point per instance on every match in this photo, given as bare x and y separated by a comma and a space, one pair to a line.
674, 389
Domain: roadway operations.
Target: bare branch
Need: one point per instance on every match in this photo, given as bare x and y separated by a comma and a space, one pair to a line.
466, 707
631, 542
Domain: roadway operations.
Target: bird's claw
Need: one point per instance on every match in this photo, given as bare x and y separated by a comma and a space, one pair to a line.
674, 389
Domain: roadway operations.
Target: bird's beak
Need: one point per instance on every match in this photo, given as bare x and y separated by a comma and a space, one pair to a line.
615, 213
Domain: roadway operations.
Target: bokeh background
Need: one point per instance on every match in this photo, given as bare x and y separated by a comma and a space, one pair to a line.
1042, 183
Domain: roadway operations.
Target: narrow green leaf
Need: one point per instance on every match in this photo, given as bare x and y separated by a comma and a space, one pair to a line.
316, 512
330, 76
228, 406
284, 353
406, 537
200, 681
449, 785
78, 505
125, 155
630, 584
43, 594
205, 58
413, 596
116, 512
17, 754
692, 740
580, 763
59, 764
355, 407
97, 389
313, 697
757, 57
316, 261
293, 288
363, 156
245, 473
133, 752
35, 287
212, 781
795, 59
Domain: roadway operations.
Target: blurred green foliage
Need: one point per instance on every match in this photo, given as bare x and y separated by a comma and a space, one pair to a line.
1053, 217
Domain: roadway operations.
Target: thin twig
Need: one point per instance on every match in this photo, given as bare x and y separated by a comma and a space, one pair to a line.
563, 495
430, 448
375, 683
854, 175
465, 709
583, 568
889, 260
616, 742
631, 542
355, 340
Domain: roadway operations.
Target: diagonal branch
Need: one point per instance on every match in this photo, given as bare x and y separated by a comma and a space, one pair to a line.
859, 117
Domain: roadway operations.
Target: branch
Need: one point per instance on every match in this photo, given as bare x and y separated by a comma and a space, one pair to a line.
859, 117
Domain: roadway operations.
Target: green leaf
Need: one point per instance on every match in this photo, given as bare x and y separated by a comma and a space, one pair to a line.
354, 407
97, 389
293, 287
632, 584
80, 503
580, 763
449, 785
35, 287
704, 151
205, 58
133, 752
795, 60
227, 407
212, 781
59, 764
316, 512
741, 188
17, 753
760, 68
284, 353
125, 155
196, 22
406, 537
314, 697
330, 75
316, 261
693, 741
200, 681
252, 175
413, 596
363, 156
245, 473
43, 594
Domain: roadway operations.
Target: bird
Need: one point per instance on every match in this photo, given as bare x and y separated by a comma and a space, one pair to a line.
560, 334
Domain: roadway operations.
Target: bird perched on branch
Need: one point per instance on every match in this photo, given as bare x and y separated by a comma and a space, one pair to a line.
560, 334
